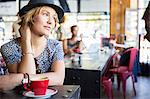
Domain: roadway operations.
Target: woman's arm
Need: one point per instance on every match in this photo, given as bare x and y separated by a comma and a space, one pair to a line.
8, 82
10, 55
27, 64
56, 75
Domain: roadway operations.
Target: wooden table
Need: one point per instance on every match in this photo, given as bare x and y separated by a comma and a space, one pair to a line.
85, 70
64, 92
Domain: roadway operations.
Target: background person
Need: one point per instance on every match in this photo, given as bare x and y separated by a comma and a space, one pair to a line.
73, 45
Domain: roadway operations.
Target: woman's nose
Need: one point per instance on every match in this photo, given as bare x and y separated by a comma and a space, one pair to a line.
50, 19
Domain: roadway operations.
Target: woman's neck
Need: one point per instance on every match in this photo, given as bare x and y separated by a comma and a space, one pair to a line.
38, 42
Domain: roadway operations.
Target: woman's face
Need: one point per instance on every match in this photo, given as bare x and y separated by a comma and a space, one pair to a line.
44, 22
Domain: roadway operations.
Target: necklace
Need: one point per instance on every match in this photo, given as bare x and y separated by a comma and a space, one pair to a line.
38, 70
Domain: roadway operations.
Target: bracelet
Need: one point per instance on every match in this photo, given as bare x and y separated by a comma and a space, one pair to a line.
28, 53
26, 78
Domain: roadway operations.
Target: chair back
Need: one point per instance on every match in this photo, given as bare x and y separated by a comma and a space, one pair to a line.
132, 52
107, 66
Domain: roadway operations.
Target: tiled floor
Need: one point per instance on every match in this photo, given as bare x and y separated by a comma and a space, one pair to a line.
142, 89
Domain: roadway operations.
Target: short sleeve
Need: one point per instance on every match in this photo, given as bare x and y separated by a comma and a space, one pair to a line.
10, 53
58, 54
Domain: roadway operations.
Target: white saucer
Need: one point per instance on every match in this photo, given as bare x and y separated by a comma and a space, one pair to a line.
49, 93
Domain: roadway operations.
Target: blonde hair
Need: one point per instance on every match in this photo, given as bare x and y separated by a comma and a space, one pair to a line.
27, 19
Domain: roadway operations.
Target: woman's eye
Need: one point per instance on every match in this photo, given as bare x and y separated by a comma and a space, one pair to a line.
46, 14
55, 17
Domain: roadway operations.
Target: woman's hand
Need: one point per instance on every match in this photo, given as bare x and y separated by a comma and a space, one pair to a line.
25, 33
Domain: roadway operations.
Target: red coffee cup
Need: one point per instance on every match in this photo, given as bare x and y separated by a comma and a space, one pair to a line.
38, 86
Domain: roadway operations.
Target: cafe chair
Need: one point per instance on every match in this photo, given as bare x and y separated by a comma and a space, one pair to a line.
107, 85
124, 70
106, 78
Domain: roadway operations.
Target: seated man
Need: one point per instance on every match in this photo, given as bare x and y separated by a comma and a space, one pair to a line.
72, 45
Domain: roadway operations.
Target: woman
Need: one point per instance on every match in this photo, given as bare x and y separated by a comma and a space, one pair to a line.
33, 53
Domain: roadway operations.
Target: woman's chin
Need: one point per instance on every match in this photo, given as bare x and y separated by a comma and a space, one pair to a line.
45, 33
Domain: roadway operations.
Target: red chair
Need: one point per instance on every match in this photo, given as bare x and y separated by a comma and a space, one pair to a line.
107, 85
124, 72
106, 78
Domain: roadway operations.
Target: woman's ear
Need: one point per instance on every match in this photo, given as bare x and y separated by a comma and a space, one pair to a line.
57, 25
33, 19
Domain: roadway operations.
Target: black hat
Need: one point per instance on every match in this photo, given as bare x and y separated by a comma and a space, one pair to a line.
37, 3
147, 12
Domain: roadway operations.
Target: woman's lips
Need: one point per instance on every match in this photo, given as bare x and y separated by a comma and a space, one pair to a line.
47, 28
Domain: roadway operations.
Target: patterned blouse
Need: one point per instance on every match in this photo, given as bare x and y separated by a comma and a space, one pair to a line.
53, 51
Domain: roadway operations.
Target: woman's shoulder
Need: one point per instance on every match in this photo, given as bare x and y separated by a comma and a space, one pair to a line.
11, 44
53, 42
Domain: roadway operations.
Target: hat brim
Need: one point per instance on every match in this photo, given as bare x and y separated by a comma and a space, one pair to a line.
145, 15
147, 12
28, 7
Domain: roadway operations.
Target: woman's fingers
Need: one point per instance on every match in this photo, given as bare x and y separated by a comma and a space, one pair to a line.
25, 33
